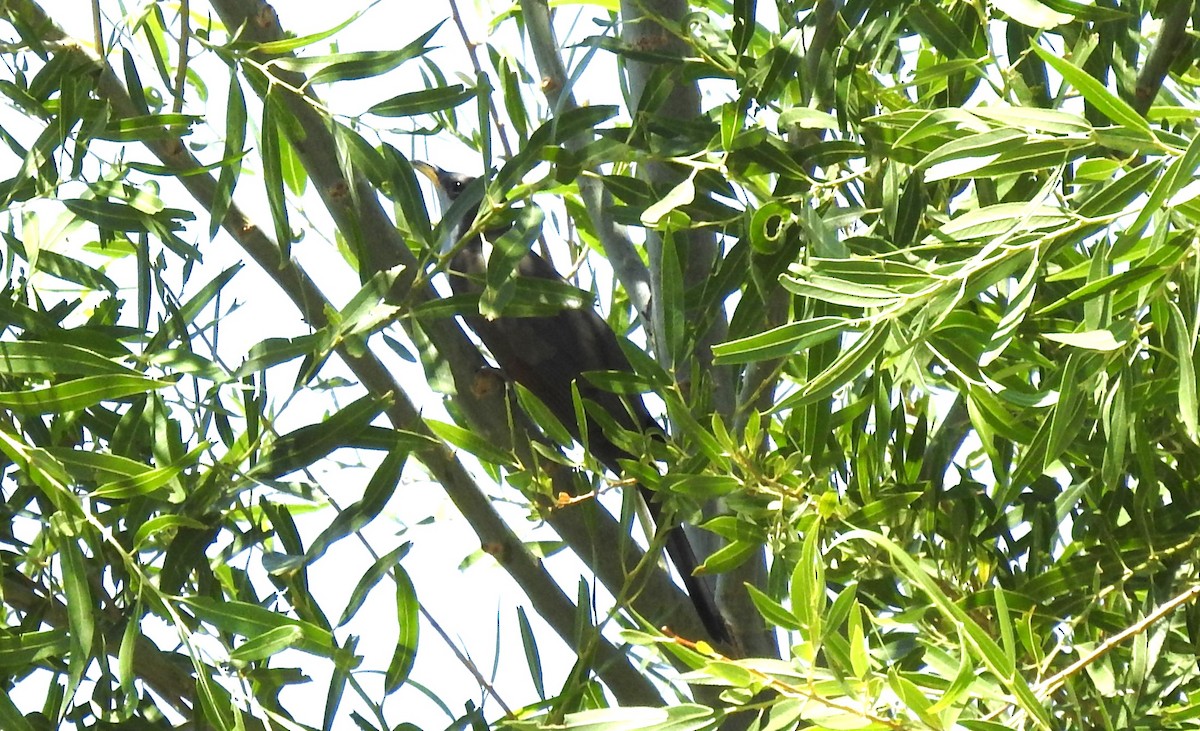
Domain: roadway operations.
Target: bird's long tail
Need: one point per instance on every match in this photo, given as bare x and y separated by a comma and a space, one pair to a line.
679, 549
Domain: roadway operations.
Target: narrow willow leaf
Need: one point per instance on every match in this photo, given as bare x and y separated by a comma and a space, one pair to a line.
267, 644
150, 481
78, 394
161, 523
678, 717
1103, 340
357, 516
1033, 157
859, 661
1066, 419
1033, 119
1183, 348
27, 357
185, 317
773, 611
508, 250
11, 716
1110, 104
106, 214
681, 195
469, 442
1179, 173
235, 144
306, 445
1014, 314
287, 45
365, 64
428, 101
978, 639
371, 578
939, 28
27, 648
802, 280
969, 152
533, 658
271, 145
148, 127
700, 487
806, 590
252, 620
728, 557
408, 621
849, 364
781, 341
673, 296
80, 606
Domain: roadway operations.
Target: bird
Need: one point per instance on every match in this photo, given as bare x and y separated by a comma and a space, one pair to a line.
548, 354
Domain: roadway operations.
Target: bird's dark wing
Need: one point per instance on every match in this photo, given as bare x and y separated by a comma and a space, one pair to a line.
547, 354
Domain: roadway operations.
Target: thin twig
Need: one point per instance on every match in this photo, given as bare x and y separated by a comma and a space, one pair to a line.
1051, 684
96, 33
474, 54
185, 32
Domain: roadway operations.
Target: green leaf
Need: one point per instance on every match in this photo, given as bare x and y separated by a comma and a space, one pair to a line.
235, 144
1103, 340
365, 64
1110, 104
428, 101
700, 487
848, 365
1183, 347
269, 643
11, 716
148, 482
80, 393
470, 442
408, 619
681, 195
781, 341
304, 446
370, 579
252, 620
533, 659
271, 143
80, 606
728, 557
773, 611
29, 357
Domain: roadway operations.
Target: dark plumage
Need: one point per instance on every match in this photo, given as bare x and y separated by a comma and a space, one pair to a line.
547, 354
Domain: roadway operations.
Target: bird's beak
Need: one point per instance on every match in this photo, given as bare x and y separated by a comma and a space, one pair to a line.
430, 171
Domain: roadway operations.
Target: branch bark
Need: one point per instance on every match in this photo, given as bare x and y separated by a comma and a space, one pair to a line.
1172, 40
361, 215
656, 25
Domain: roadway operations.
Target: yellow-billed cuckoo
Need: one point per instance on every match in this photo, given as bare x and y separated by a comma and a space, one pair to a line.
547, 354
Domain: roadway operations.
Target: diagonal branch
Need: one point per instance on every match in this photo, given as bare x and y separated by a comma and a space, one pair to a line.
629, 685
355, 208
621, 253
1172, 41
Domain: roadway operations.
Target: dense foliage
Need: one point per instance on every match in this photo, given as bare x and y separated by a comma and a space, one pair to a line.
914, 284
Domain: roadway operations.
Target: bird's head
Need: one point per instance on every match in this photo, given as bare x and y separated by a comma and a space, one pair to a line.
448, 187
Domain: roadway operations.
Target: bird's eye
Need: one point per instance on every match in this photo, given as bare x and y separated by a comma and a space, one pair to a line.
457, 187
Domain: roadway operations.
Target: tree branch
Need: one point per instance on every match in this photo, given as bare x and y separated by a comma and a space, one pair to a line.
361, 215
615, 668
621, 253
1172, 40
